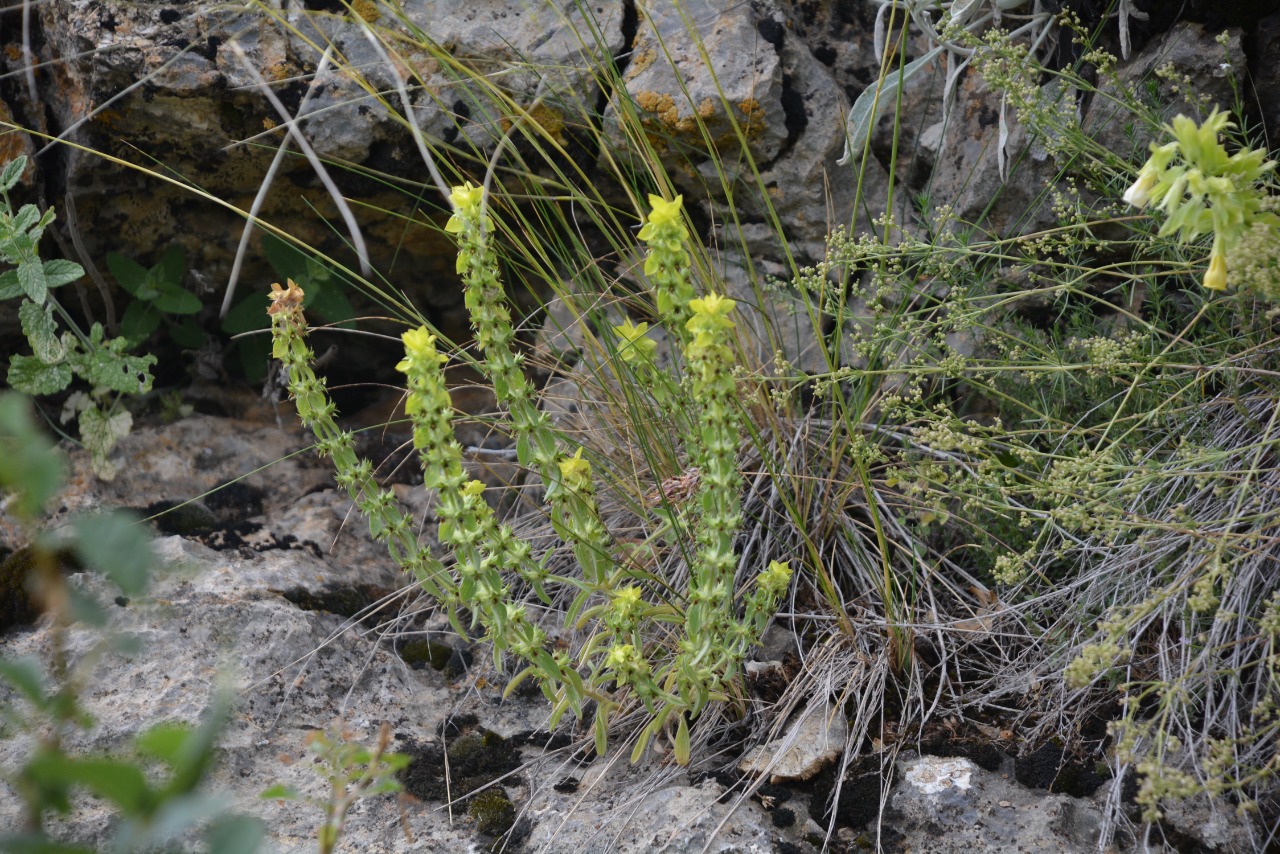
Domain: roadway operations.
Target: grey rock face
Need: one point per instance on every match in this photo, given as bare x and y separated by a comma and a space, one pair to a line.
951, 806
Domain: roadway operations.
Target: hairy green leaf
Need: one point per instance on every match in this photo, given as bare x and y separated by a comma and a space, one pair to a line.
32, 376
59, 272
42, 332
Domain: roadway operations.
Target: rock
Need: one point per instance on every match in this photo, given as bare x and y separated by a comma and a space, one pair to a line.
951, 806
1186, 52
812, 742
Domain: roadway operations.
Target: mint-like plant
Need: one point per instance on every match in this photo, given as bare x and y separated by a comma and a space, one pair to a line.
43, 697
622, 654
158, 296
58, 357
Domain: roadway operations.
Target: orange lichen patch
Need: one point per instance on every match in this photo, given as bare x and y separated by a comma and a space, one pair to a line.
278, 71
12, 52
754, 114
707, 108
640, 60
366, 10
268, 123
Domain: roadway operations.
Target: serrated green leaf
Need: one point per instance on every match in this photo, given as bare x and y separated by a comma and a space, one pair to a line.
12, 172
26, 218
117, 545
59, 272
10, 287
42, 332
104, 368
100, 433
32, 376
128, 273
31, 278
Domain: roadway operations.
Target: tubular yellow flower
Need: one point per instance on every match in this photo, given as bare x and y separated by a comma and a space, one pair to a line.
1215, 279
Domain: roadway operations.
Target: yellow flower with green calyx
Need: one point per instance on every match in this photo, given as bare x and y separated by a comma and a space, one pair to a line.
710, 312
621, 657
575, 469
627, 600
637, 346
778, 575
664, 215
472, 489
419, 347
466, 201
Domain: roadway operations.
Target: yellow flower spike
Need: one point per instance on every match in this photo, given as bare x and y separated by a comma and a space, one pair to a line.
663, 216
621, 657
712, 305
419, 348
637, 344
575, 469
710, 313
466, 197
778, 573
627, 599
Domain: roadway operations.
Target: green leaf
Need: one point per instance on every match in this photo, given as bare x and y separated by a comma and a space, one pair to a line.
119, 782
874, 100
31, 278
330, 302
129, 273
188, 335
59, 272
12, 172
164, 741
31, 376
172, 264
117, 545
235, 835
287, 260
29, 464
140, 319
106, 369
100, 432
248, 314
9, 285
279, 790
174, 300
42, 332
25, 674
682, 750
26, 218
